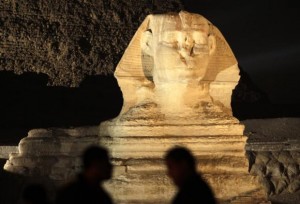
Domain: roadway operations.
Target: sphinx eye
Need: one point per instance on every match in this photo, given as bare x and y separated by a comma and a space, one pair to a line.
172, 44
200, 48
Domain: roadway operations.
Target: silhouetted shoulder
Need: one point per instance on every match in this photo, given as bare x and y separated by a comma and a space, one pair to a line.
78, 192
194, 191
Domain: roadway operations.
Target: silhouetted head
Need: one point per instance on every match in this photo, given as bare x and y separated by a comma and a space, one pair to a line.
181, 165
97, 165
34, 194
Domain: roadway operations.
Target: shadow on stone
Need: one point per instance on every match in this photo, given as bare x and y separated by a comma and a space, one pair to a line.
27, 103
12, 185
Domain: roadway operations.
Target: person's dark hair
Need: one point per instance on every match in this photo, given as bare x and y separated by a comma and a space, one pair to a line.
181, 154
34, 193
94, 153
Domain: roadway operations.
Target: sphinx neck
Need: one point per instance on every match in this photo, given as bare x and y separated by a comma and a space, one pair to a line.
180, 98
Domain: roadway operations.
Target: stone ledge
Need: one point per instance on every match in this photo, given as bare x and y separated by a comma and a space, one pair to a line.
288, 145
6, 150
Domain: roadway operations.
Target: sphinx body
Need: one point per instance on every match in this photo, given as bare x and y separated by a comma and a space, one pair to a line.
177, 70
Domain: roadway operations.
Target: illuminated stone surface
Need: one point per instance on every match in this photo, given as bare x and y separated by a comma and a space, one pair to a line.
276, 162
177, 77
177, 87
52, 153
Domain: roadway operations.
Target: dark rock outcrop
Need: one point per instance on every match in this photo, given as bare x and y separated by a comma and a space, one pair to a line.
68, 40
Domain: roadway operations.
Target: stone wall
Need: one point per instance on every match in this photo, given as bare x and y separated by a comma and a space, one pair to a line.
68, 40
274, 148
278, 170
53, 154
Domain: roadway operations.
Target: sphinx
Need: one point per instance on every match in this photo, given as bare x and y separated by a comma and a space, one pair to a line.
178, 69
177, 77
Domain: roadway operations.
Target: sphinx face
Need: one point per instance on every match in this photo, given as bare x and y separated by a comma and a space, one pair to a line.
181, 56
181, 49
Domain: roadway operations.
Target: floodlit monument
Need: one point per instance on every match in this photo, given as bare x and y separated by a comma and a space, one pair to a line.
177, 77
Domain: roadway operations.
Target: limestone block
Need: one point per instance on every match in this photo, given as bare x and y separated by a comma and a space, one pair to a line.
296, 155
274, 168
73, 132
263, 158
278, 171
279, 184
40, 133
53, 145
60, 161
132, 189
292, 170
258, 169
207, 163
53, 153
229, 183
154, 147
267, 184
6, 150
285, 157
131, 186
294, 186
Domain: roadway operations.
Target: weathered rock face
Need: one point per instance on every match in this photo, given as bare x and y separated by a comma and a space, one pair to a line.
276, 162
68, 40
278, 170
53, 154
177, 77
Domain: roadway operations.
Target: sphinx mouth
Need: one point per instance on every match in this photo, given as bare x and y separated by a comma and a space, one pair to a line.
188, 63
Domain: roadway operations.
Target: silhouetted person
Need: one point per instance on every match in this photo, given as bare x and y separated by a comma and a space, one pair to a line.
192, 189
34, 194
87, 189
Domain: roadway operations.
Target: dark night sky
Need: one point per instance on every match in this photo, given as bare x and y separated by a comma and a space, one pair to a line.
265, 38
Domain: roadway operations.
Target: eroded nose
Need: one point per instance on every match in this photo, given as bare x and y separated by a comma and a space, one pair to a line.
187, 50
187, 46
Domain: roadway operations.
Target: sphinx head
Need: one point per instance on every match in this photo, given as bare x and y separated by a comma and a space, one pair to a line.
180, 46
